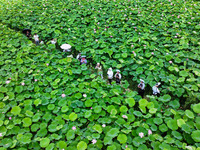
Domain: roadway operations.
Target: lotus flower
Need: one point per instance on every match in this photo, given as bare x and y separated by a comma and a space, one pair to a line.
47, 64
91, 108
8, 81
74, 128
141, 134
35, 80
10, 118
111, 36
96, 40
176, 54
149, 132
94, 141
103, 125
189, 22
126, 146
144, 45
23, 83
84, 95
152, 53
1, 135
63, 95
187, 59
124, 116
132, 45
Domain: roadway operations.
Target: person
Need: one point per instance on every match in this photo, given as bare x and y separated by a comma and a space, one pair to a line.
110, 75
118, 77
83, 60
99, 70
156, 91
78, 56
41, 42
36, 38
141, 87
53, 41
28, 34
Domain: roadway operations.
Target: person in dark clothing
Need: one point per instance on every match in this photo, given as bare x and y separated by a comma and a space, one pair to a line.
118, 77
141, 87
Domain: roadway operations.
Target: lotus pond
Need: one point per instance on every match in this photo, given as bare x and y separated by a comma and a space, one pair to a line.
49, 101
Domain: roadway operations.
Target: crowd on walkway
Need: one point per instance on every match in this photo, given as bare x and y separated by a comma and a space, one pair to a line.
82, 59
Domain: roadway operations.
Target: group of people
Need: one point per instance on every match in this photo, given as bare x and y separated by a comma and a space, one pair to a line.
117, 76
141, 89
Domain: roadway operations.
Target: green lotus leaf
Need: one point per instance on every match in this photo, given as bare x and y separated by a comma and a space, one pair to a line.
18, 89
44, 142
82, 145
189, 114
123, 109
165, 98
27, 122
113, 132
130, 101
180, 122
196, 108
122, 138
73, 116
107, 140
163, 128
88, 103
3, 89
177, 135
97, 128
195, 135
70, 135
16, 110
158, 121
183, 73
172, 124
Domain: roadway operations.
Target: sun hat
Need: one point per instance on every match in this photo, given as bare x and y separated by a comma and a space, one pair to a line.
118, 70
142, 80
158, 83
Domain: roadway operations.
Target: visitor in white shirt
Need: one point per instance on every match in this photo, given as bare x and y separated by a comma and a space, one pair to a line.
155, 89
110, 75
36, 38
53, 41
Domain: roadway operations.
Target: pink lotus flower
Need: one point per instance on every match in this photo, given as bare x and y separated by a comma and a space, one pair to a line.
124, 116
10, 118
175, 36
47, 64
63, 95
94, 31
126, 146
133, 52
178, 16
152, 53
105, 29
96, 40
103, 125
35, 80
74, 128
176, 54
8, 81
187, 59
91, 108
131, 45
98, 23
144, 45
189, 22
23, 83
94, 141
141, 134
10, 78
111, 36
149, 132
84, 95
167, 53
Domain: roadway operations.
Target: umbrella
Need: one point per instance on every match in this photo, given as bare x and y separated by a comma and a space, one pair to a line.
65, 46
25, 30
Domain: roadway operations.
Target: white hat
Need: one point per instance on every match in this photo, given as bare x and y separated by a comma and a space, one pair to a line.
118, 70
142, 80
110, 69
158, 83
65, 46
